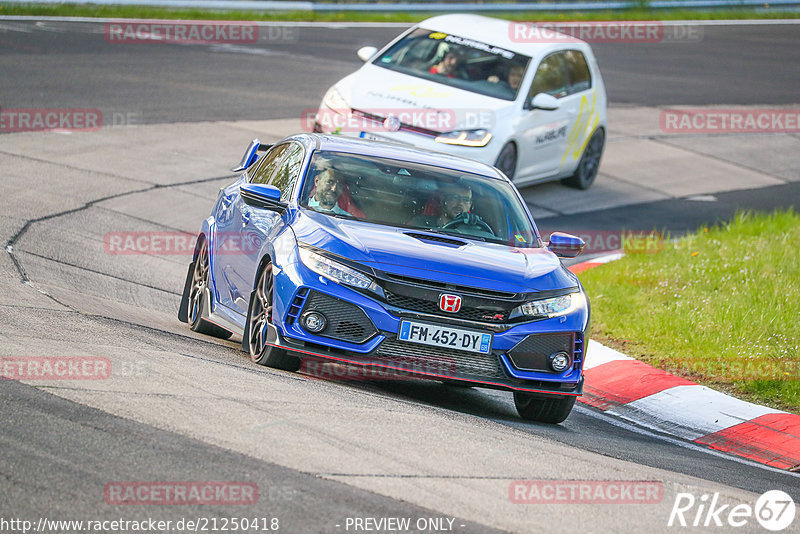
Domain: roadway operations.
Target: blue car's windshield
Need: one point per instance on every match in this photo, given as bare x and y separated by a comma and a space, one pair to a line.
451, 60
414, 195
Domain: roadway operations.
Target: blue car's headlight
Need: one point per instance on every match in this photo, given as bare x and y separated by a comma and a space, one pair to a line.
551, 307
333, 270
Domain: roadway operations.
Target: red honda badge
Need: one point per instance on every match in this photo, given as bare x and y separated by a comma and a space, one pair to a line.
449, 303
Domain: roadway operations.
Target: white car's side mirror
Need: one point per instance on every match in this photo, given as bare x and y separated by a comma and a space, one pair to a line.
544, 101
365, 53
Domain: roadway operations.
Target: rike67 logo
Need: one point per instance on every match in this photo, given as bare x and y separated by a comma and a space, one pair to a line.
774, 510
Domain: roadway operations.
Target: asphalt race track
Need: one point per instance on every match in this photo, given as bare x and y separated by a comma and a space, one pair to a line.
289, 69
183, 407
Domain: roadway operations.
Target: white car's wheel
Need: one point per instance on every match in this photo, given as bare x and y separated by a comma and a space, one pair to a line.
507, 160
590, 163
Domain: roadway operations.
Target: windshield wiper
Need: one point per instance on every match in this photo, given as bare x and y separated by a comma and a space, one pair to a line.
340, 215
333, 214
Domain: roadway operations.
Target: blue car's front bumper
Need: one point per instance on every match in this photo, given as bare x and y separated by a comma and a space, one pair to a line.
363, 329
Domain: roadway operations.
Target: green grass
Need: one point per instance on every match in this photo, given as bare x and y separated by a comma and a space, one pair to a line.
721, 307
84, 10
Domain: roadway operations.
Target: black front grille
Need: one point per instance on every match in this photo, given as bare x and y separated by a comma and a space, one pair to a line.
533, 352
436, 285
435, 360
494, 315
346, 321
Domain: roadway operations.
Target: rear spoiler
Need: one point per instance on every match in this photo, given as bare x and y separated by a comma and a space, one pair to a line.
251, 155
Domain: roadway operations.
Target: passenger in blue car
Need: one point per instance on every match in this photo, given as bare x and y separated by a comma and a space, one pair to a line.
327, 190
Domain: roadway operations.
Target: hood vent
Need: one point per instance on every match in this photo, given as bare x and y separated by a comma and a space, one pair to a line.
437, 239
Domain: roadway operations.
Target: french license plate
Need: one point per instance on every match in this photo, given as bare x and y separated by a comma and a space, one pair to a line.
445, 337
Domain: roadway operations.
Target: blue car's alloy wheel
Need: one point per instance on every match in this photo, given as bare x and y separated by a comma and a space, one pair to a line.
198, 298
258, 320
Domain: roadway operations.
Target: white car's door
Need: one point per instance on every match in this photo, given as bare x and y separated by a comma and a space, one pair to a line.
582, 106
542, 134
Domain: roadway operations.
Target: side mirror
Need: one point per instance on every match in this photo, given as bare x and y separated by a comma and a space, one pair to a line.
365, 53
565, 245
544, 101
262, 196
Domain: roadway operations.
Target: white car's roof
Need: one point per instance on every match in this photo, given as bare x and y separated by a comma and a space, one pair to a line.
492, 31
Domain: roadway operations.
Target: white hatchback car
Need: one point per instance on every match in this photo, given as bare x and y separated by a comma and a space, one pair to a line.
531, 103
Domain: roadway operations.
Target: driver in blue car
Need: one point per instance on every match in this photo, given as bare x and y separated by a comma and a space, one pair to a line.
455, 201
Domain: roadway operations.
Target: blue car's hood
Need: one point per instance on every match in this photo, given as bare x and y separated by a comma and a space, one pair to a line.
487, 265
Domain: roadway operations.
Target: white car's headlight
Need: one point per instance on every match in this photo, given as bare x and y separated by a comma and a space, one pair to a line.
465, 138
552, 307
335, 101
334, 271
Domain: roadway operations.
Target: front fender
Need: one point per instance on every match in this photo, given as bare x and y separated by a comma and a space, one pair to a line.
280, 251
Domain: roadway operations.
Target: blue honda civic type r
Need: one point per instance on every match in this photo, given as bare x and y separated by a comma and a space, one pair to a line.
391, 258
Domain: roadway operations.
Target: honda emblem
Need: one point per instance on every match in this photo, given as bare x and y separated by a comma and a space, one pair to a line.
449, 303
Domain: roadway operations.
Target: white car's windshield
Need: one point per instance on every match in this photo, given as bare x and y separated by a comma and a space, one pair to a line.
414, 195
457, 61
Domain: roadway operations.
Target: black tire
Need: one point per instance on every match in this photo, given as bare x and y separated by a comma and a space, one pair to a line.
258, 316
543, 410
590, 163
198, 298
507, 160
